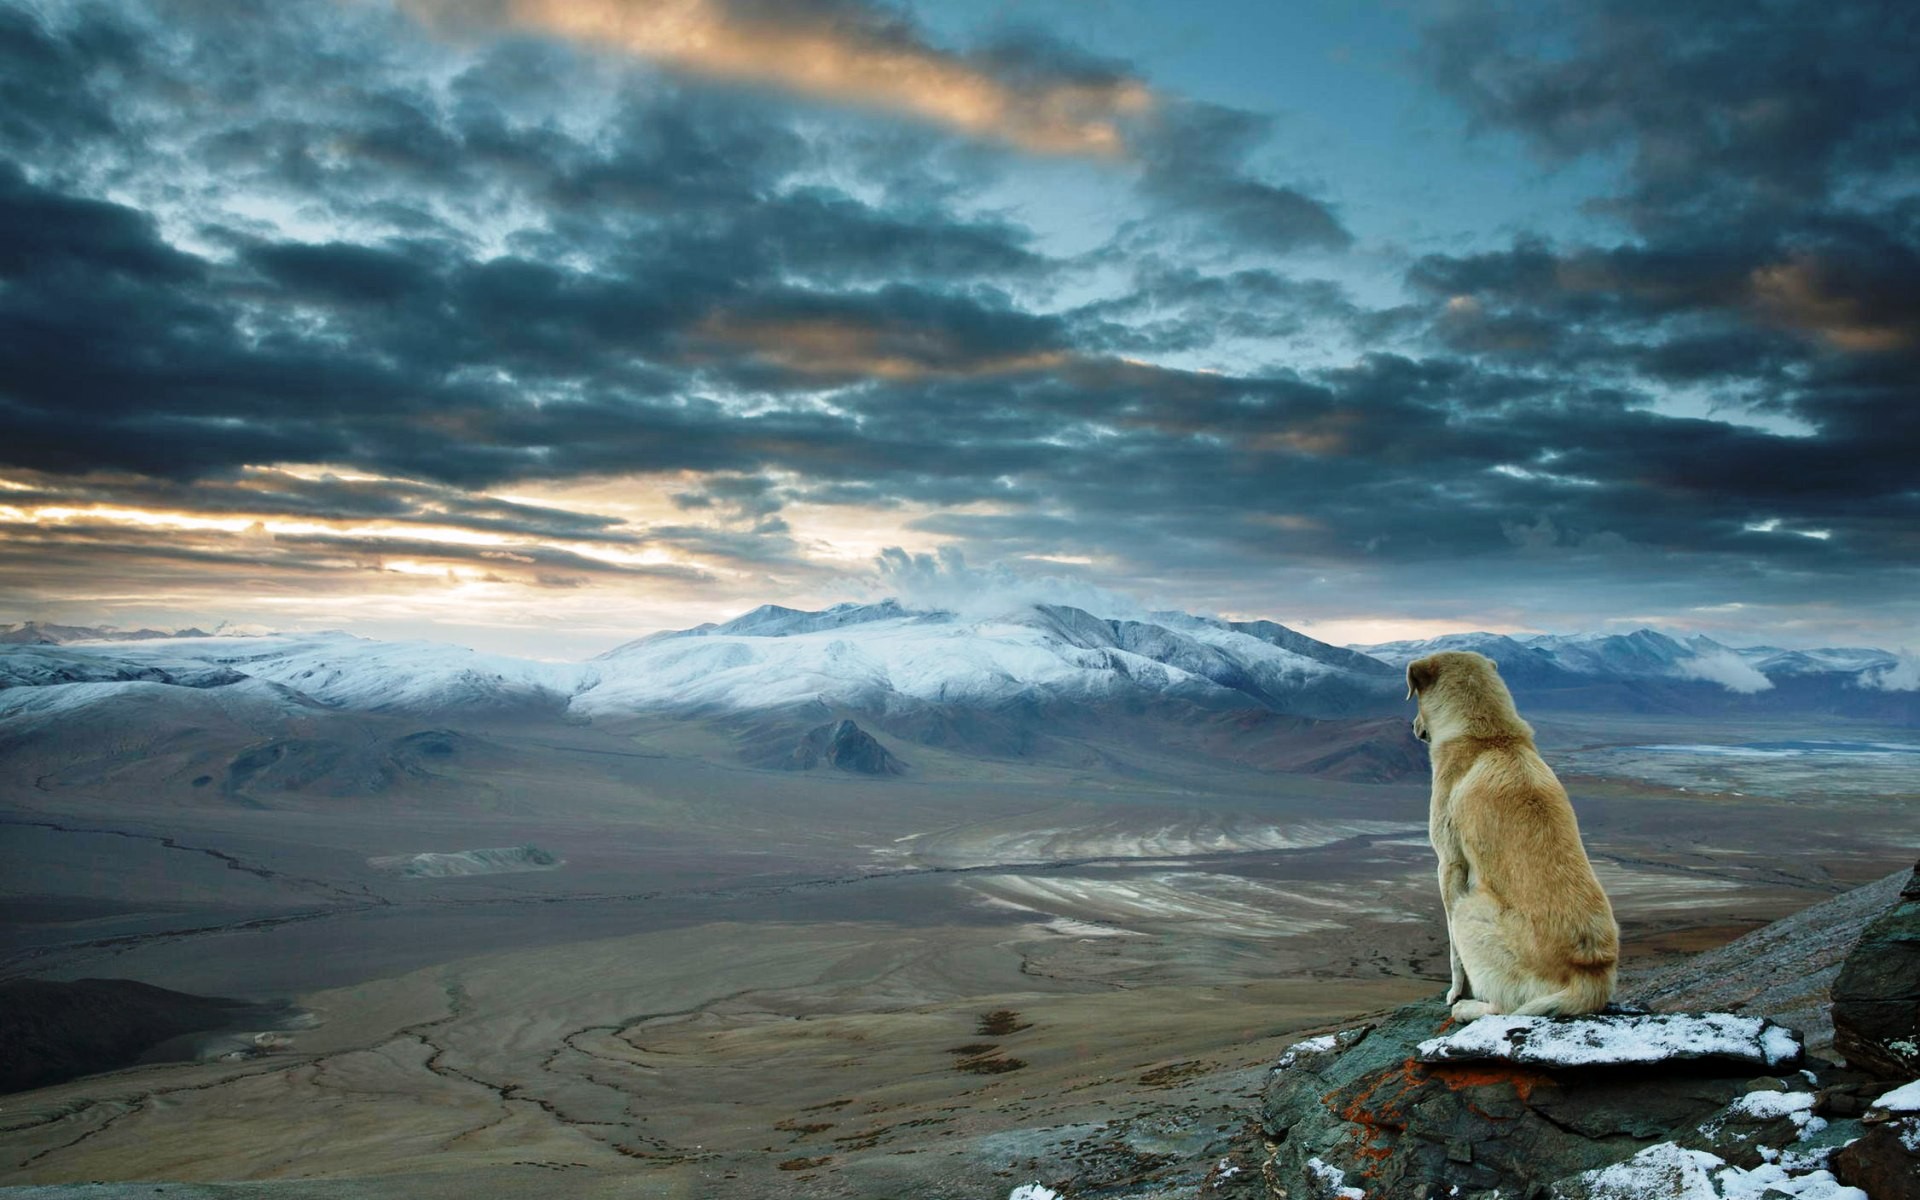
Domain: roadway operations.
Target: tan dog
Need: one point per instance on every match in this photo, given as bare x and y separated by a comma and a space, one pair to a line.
1529, 931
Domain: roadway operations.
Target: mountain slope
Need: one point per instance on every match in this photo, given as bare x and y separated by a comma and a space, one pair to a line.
342, 671
1648, 671
884, 658
1009, 683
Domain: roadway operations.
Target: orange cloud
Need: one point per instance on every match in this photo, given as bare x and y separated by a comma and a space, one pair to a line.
1806, 294
839, 347
839, 56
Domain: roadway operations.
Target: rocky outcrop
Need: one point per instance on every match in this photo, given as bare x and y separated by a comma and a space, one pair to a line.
846, 746
1784, 970
1414, 1106
1876, 998
1631, 1104
1885, 1164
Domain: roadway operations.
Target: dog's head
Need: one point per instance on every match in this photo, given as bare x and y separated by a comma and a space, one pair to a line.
1459, 692
1421, 673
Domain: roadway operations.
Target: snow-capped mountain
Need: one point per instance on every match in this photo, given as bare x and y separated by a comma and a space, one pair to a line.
339, 670
1647, 669
1772, 660
879, 658
44, 633
886, 658
1519, 662
1030, 667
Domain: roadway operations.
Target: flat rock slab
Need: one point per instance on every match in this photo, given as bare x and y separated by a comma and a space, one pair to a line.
1608, 1039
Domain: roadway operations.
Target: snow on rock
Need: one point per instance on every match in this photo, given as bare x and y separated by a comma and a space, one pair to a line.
1671, 1172
1903, 1099
1765, 1106
1616, 1039
1333, 1180
1033, 1191
1313, 1047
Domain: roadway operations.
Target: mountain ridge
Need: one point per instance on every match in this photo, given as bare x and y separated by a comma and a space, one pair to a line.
1031, 662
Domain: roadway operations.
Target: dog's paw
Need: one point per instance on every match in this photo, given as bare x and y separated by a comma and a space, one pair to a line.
1467, 1010
1455, 992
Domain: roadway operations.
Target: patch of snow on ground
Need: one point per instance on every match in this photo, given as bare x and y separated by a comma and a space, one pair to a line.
1219, 903
1609, 1040
1134, 840
505, 860
1033, 1191
1335, 1180
1668, 1171
1901, 1099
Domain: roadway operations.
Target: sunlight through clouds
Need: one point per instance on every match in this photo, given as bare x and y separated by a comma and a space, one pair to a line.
836, 52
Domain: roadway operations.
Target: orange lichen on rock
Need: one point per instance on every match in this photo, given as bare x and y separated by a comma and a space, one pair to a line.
1371, 1116
1377, 1115
1520, 1079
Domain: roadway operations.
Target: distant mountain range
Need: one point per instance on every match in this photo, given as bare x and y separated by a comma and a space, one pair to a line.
1249, 691
1648, 671
46, 633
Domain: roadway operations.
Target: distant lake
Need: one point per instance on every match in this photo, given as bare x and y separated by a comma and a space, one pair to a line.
1792, 749
1801, 769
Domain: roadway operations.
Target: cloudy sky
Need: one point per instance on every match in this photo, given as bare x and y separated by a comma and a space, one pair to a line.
537, 324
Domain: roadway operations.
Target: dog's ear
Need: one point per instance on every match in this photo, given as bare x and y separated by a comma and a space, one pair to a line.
1420, 676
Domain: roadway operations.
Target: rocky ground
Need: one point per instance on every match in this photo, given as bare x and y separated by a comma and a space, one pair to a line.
1634, 1105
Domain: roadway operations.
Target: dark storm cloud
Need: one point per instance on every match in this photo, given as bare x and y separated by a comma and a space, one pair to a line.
43, 551
817, 339
264, 493
1771, 268
1174, 307
506, 290
1401, 462
38, 107
1195, 157
1726, 110
1768, 148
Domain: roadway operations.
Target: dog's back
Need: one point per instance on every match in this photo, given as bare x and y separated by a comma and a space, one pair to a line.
1528, 918
1522, 843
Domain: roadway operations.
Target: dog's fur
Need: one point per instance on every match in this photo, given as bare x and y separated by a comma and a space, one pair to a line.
1529, 930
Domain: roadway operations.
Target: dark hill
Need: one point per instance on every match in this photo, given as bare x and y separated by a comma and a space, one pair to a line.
52, 1032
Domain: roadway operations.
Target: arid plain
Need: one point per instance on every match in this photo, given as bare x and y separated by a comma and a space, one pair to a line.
722, 980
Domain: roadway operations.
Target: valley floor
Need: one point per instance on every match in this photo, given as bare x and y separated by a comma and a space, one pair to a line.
756, 983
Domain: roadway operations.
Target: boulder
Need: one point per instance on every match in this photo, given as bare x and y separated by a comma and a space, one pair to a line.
1617, 1039
1885, 1163
1413, 1106
1876, 998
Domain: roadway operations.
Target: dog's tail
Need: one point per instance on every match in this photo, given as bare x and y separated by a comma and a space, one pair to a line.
1586, 992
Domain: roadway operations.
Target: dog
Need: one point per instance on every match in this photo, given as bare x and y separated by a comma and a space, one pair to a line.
1529, 930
